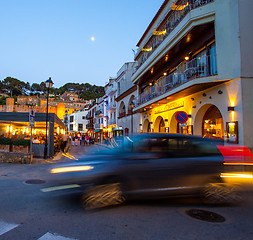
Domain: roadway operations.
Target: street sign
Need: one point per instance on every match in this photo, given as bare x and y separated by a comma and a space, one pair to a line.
181, 116
31, 117
182, 124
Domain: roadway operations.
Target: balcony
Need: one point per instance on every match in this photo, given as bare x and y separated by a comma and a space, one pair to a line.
89, 126
98, 126
204, 66
99, 112
111, 106
112, 121
178, 12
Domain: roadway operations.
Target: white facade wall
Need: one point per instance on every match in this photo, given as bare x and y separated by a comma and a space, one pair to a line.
79, 117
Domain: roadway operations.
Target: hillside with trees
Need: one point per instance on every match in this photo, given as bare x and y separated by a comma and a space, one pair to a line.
14, 87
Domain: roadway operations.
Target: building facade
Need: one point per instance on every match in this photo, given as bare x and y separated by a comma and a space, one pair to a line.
195, 58
76, 121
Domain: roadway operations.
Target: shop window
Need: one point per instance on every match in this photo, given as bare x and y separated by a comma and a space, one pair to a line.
232, 132
213, 123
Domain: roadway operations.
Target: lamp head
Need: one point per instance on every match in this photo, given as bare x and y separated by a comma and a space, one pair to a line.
49, 83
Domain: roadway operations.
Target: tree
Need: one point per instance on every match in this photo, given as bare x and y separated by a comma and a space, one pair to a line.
14, 85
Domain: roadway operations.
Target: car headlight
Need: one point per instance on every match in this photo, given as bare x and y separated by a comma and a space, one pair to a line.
71, 169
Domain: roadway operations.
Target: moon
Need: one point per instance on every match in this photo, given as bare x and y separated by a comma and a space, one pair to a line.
92, 39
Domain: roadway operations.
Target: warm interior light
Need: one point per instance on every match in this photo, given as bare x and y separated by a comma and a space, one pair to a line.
150, 84
165, 74
186, 58
146, 49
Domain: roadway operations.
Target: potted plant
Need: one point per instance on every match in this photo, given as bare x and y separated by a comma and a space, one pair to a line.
5, 144
21, 145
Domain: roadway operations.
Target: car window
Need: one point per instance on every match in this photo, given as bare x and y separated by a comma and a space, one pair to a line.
184, 147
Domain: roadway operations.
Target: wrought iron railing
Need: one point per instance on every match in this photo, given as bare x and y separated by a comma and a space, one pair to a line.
177, 15
196, 68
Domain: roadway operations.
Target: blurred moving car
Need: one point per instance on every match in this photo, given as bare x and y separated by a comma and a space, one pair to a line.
149, 166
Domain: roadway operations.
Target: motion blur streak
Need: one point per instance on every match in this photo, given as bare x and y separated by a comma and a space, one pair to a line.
241, 178
238, 163
59, 188
237, 175
71, 169
69, 156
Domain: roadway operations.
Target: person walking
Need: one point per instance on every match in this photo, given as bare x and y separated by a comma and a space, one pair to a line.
65, 138
87, 139
81, 139
76, 140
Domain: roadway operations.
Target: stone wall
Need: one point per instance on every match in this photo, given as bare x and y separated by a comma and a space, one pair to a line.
10, 157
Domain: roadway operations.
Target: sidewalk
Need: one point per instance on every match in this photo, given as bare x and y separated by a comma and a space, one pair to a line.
72, 150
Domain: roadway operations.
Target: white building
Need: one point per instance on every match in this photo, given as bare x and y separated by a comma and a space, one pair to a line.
77, 121
126, 96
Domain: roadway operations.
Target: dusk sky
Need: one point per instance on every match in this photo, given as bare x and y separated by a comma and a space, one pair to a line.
70, 40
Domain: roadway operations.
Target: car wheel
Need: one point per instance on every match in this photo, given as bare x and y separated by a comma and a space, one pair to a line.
219, 193
99, 196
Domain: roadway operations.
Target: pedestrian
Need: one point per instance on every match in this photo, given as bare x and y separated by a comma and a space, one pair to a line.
76, 140
80, 139
83, 139
64, 142
87, 139
73, 140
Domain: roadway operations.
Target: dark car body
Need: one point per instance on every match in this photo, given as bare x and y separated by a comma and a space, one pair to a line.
149, 165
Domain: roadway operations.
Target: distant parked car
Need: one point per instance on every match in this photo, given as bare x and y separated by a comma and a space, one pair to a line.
149, 166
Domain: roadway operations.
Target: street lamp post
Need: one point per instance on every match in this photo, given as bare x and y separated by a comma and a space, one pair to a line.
132, 107
49, 83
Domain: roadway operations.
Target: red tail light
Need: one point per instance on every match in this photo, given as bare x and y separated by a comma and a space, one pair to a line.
236, 155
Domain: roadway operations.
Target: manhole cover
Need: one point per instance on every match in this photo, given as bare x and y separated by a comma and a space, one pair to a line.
205, 215
35, 181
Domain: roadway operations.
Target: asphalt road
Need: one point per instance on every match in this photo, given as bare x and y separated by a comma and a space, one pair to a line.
27, 213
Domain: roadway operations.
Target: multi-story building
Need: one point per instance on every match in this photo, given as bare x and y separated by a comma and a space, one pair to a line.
195, 56
110, 104
126, 96
76, 121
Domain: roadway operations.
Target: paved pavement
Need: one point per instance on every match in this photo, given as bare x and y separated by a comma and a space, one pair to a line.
72, 151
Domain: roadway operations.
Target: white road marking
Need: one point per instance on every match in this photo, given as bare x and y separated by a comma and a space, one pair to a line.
6, 227
54, 236
50, 189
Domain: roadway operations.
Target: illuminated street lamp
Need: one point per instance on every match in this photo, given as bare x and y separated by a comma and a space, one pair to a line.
132, 107
49, 83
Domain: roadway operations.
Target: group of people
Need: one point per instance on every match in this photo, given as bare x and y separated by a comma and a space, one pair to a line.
75, 140
81, 139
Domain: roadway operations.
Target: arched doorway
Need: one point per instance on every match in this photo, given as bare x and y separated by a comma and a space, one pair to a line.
162, 126
212, 123
146, 126
159, 125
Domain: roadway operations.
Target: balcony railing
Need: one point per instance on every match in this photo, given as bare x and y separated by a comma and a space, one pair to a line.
99, 112
177, 15
196, 68
112, 121
97, 126
111, 106
88, 126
